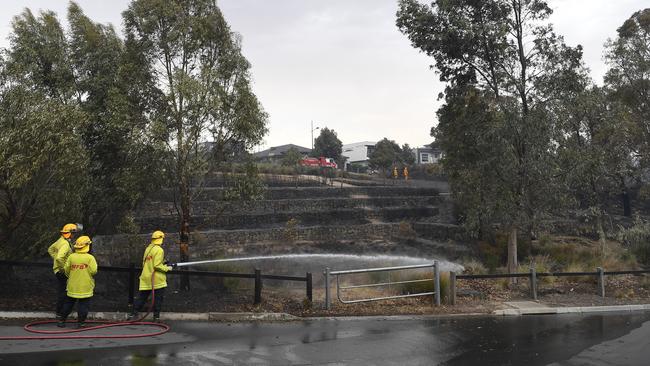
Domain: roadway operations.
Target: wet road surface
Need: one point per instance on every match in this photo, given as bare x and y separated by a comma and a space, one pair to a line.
558, 340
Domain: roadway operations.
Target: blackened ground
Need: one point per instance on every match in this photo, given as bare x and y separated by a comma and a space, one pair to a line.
34, 290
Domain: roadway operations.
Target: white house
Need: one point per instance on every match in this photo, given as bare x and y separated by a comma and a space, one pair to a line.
427, 154
358, 152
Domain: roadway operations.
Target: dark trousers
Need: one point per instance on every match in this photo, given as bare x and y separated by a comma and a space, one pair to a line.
82, 308
157, 304
61, 292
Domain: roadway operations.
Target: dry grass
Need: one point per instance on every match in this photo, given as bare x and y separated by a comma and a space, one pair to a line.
562, 252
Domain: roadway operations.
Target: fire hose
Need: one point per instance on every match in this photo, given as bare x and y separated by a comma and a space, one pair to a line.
103, 324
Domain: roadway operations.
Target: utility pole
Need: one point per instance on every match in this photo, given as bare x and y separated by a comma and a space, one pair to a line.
312, 135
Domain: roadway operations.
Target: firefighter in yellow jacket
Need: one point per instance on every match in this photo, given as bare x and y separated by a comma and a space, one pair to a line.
80, 267
153, 276
59, 251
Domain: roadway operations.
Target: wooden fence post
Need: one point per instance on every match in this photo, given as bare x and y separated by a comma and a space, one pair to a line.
258, 287
452, 288
533, 283
601, 281
310, 294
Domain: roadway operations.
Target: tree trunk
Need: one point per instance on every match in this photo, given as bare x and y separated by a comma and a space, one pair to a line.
185, 229
512, 252
627, 205
601, 234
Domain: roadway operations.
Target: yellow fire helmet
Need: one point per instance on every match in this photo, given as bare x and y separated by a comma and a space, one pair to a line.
68, 229
82, 244
157, 237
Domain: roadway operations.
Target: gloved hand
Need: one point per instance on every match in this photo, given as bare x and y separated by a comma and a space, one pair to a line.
173, 265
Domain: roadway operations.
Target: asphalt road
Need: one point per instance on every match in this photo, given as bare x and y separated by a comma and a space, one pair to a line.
567, 340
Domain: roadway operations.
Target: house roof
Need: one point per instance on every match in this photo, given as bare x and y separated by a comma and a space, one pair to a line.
280, 150
362, 143
429, 148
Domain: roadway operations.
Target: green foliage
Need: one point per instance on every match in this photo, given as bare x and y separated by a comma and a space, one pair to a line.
246, 187
358, 168
91, 123
198, 67
505, 68
327, 144
542, 264
386, 155
42, 158
84, 69
407, 156
629, 79
637, 239
291, 157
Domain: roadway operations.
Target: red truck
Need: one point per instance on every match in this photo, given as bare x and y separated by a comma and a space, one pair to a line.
322, 162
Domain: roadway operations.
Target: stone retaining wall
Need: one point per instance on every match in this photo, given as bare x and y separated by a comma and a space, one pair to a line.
209, 194
159, 208
308, 218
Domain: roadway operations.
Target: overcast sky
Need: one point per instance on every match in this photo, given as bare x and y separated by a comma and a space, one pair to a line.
344, 64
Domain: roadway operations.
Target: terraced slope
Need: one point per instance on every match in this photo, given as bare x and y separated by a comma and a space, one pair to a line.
307, 218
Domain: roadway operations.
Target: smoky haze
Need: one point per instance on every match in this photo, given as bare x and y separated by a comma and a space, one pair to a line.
344, 64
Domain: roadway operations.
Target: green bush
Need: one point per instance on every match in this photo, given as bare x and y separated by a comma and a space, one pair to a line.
542, 264
637, 239
225, 284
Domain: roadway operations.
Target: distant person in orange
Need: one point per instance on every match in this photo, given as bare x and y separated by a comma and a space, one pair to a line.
406, 173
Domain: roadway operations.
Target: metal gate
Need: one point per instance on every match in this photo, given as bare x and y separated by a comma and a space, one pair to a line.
328, 274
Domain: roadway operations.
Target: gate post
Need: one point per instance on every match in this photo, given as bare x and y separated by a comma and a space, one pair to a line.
328, 300
436, 276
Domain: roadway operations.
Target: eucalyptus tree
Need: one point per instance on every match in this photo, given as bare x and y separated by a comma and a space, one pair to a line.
592, 152
503, 57
628, 79
197, 64
41, 155
99, 95
117, 93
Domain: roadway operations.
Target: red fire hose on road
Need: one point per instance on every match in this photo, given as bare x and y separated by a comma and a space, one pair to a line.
56, 334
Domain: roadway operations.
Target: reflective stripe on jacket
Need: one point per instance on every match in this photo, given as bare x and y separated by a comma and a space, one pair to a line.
59, 252
80, 269
152, 262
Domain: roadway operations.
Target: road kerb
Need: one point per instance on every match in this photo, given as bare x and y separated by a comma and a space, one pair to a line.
572, 310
